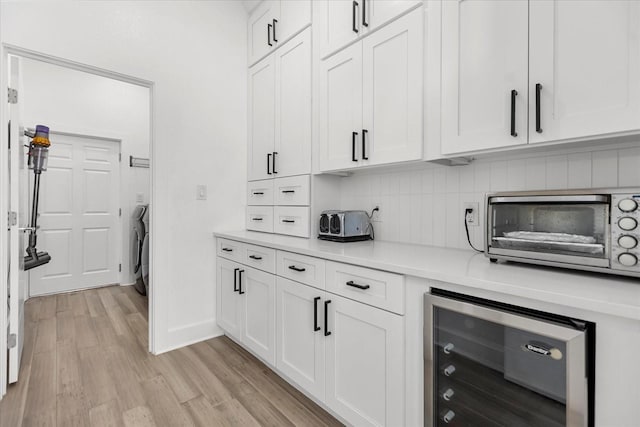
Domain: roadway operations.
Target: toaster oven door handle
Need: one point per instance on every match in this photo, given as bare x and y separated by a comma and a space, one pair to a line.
569, 198
294, 268
355, 285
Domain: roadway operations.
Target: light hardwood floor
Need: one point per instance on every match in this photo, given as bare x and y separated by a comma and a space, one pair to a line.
85, 363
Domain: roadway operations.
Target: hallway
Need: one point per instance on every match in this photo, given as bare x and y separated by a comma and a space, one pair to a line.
85, 362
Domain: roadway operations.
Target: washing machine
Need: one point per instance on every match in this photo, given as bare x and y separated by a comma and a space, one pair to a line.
139, 232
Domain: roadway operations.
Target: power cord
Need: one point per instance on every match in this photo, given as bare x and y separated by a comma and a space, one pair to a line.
466, 228
373, 233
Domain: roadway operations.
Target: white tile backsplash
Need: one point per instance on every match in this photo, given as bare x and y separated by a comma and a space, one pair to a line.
424, 204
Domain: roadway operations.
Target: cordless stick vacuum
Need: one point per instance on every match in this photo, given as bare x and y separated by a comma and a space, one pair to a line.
38, 155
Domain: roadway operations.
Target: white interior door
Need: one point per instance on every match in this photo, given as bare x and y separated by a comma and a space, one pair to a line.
79, 218
293, 106
18, 200
585, 55
262, 83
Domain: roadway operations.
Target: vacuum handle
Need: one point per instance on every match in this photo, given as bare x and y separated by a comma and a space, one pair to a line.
29, 229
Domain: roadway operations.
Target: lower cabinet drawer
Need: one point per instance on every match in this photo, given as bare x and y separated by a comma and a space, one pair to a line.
260, 218
301, 268
261, 258
230, 249
374, 287
260, 193
291, 220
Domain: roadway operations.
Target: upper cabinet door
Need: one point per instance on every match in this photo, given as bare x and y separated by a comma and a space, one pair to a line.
392, 91
260, 29
378, 12
294, 16
293, 106
484, 59
261, 119
338, 24
340, 115
585, 57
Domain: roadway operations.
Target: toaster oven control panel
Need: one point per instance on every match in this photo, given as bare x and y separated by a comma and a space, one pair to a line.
625, 232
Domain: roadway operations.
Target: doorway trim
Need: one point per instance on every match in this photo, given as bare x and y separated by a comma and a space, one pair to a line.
12, 50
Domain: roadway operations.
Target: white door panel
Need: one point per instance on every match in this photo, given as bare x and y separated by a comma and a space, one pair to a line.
79, 221
293, 16
228, 303
378, 12
257, 291
339, 24
484, 58
261, 118
586, 57
260, 32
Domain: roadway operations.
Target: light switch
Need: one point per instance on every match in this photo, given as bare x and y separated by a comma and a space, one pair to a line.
201, 192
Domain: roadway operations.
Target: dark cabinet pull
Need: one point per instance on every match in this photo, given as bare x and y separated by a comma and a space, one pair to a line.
538, 126
316, 328
256, 219
273, 165
268, 163
240, 291
288, 191
354, 135
256, 257
235, 279
364, 142
355, 285
275, 21
364, 14
227, 249
294, 268
258, 193
514, 93
353, 13
288, 221
269, 35
326, 318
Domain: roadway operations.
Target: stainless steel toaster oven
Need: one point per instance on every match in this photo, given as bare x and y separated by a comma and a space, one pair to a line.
596, 230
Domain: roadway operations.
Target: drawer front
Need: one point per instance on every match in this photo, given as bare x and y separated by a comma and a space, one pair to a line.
261, 258
260, 193
230, 249
374, 287
260, 218
301, 268
291, 220
293, 191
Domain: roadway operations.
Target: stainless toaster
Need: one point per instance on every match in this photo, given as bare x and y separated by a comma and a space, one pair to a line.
345, 226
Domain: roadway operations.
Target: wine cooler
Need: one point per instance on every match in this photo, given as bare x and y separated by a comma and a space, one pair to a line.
492, 364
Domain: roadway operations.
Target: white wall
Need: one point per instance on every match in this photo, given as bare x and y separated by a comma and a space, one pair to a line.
424, 204
72, 101
195, 53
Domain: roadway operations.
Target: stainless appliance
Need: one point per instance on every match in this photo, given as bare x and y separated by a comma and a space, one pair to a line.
595, 230
345, 226
492, 364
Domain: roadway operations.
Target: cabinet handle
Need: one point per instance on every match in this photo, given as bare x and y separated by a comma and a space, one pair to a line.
275, 21
326, 318
258, 193
514, 93
227, 249
294, 268
364, 14
289, 221
235, 279
354, 135
355, 285
256, 219
316, 328
273, 164
240, 291
268, 163
269, 35
353, 14
364, 143
538, 126
256, 257
288, 191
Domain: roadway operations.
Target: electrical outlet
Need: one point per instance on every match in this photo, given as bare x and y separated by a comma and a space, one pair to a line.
472, 217
201, 192
377, 215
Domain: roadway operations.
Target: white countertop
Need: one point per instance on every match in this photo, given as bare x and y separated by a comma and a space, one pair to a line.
601, 293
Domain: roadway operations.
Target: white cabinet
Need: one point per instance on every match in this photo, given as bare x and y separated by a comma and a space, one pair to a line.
300, 339
274, 22
364, 356
370, 107
547, 71
585, 55
480, 69
341, 22
280, 112
246, 307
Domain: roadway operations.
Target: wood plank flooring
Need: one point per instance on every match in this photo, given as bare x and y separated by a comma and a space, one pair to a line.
85, 363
